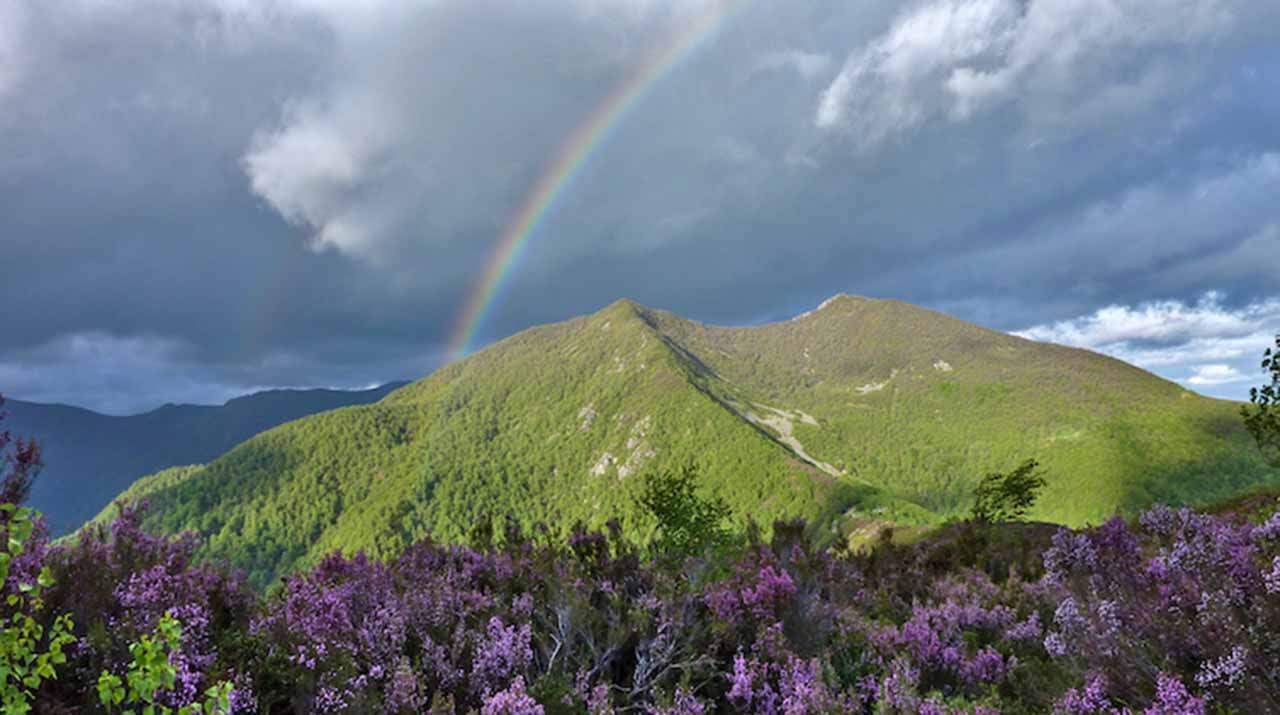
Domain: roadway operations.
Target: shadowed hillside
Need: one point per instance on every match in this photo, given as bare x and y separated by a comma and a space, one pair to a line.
862, 410
91, 457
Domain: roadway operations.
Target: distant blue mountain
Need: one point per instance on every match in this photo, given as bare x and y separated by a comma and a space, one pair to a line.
90, 457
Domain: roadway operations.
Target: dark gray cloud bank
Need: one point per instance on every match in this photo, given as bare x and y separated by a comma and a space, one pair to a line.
203, 197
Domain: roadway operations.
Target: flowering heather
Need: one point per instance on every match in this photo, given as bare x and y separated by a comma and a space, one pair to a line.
1174, 612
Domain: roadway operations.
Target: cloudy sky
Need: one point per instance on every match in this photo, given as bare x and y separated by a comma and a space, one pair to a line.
199, 198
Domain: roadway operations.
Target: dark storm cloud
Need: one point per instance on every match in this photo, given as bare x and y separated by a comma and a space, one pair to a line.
201, 198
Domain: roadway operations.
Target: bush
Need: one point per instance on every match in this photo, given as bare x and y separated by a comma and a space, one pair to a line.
29, 649
1177, 611
1263, 419
1007, 496
151, 672
687, 523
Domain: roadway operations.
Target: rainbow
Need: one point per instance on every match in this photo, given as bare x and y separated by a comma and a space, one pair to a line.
573, 155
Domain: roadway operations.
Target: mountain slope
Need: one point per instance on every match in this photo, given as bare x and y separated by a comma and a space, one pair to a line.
860, 409
91, 457
923, 404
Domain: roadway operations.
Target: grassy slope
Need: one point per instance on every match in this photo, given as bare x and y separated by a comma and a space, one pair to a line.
521, 428
1112, 437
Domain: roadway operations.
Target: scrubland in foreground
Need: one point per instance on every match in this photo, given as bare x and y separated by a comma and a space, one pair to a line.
1177, 612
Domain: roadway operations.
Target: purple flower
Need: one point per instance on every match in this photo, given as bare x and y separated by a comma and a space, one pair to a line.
684, 704
1269, 530
743, 682
1223, 672
1070, 550
1027, 630
512, 701
504, 652
802, 688
598, 700
988, 666
1172, 698
1055, 645
1092, 698
1067, 616
758, 594
1272, 577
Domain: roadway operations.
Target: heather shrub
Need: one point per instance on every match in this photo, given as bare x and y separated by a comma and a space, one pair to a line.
1181, 597
1172, 614
118, 582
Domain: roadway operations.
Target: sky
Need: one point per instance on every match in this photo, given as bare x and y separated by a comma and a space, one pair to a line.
201, 198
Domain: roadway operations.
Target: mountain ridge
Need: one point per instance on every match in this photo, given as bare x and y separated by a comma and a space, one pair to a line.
91, 456
862, 409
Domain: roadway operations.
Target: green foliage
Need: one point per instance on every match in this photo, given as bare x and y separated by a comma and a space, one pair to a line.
1263, 420
1007, 496
93, 457
864, 411
151, 672
28, 652
687, 523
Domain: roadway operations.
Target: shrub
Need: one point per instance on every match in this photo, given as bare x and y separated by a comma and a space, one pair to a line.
151, 671
29, 649
1007, 496
687, 523
1263, 419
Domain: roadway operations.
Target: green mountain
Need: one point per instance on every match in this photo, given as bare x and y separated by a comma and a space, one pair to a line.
860, 410
91, 457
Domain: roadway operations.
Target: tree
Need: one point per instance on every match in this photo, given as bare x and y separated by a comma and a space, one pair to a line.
19, 465
30, 647
687, 523
1263, 418
1007, 496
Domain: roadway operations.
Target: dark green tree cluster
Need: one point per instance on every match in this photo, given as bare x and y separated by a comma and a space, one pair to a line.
687, 522
1262, 419
1006, 496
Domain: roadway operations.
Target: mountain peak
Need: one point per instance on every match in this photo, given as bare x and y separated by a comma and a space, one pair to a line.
836, 300
623, 306
873, 407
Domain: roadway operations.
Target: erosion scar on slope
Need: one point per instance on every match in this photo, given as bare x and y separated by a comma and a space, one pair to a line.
780, 422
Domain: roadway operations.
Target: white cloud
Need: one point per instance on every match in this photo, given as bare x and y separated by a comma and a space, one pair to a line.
430, 118
891, 84
1216, 374
309, 168
1220, 345
1067, 62
1168, 321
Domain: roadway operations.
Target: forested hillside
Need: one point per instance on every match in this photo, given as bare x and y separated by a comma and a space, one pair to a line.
91, 457
860, 412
